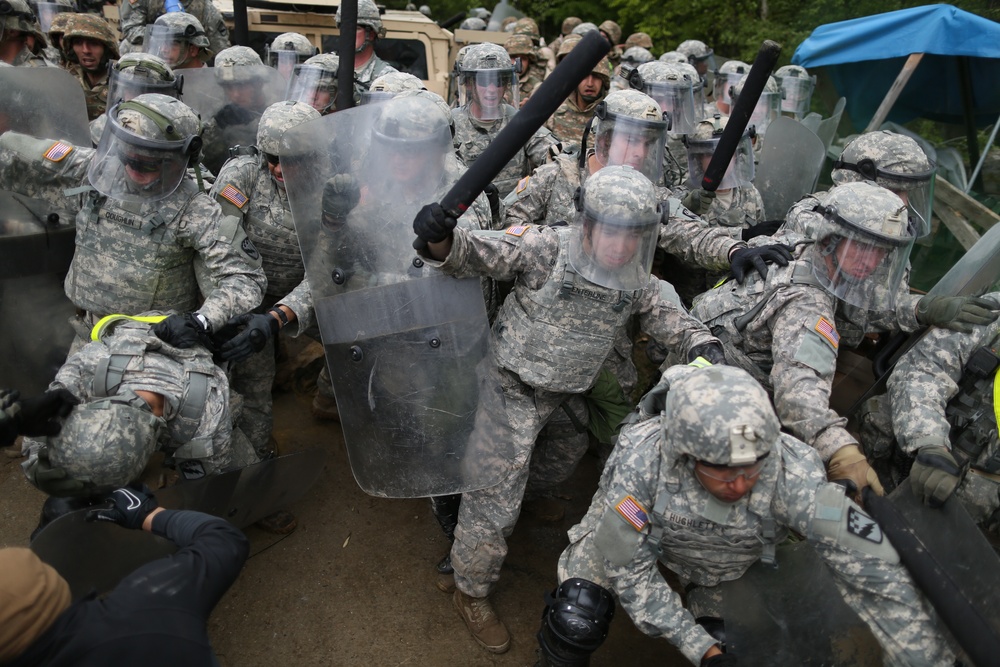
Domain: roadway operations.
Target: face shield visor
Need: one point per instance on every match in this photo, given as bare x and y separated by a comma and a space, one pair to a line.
741, 168
123, 85
766, 112
131, 168
617, 254
859, 266
630, 142
916, 189
47, 11
284, 60
484, 92
166, 43
404, 164
376, 96
703, 64
797, 92
676, 102
314, 86
724, 81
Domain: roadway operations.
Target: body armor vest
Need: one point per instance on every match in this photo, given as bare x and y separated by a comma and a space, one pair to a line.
128, 258
972, 412
473, 136
558, 337
268, 223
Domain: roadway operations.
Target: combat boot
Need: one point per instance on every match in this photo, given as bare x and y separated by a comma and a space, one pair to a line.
488, 630
445, 575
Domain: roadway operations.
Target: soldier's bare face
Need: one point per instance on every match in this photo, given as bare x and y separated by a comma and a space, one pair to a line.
628, 150
858, 260
242, 94
727, 492
612, 247
320, 99
88, 51
590, 88
489, 95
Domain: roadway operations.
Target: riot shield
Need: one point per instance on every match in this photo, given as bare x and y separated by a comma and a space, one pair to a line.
790, 162
407, 347
98, 555
827, 129
36, 238
794, 615
230, 108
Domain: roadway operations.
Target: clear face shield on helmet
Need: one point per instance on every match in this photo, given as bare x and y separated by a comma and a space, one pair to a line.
612, 253
47, 11
283, 60
860, 266
484, 92
132, 168
165, 42
676, 102
916, 189
797, 92
767, 111
411, 157
125, 84
630, 142
741, 168
724, 81
314, 86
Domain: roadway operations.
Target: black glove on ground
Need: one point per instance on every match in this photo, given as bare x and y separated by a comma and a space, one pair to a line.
183, 331
432, 225
745, 259
128, 506
256, 330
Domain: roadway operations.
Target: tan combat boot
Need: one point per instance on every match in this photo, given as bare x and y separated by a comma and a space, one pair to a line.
482, 622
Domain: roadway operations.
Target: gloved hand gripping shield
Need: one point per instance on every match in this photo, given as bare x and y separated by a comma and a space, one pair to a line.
701, 144
407, 347
143, 154
140, 73
630, 129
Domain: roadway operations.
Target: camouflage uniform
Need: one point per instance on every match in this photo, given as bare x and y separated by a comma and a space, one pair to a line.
135, 256
21, 17
527, 334
368, 17
569, 119
246, 190
706, 541
183, 29
135, 74
137, 14
531, 75
94, 27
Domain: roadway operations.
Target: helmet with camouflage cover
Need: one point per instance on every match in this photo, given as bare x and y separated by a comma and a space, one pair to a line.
17, 15
768, 106
389, 85
177, 30
473, 23
137, 73
636, 55
238, 64
368, 16
106, 442
727, 76
569, 41
701, 145
674, 57
147, 146
629, 128
569, 23
58, 27
507, 25
411, 144
695, 50
863, 243
521, 46
796, 88
639, 39
672, 89
584, 28
895, 162
46, 11
717, 415
487, 81
481, 13
612, 31
288, 50
89, 26
619, 215
315, 82
277, 119
527, 26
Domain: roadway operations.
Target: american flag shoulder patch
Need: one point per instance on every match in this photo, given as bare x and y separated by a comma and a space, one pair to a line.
517, 230
233, 195
633, 512
521, 185
57, 151
826, 329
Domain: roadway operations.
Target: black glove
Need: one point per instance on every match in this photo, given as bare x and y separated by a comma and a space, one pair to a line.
935, 475
340, 195
38, 415
766, 228
257, 329
957, 313
745, 259
234, 114
128, 506
52, 480
710, 352
432, 225
698, 201
183, 331
722, 660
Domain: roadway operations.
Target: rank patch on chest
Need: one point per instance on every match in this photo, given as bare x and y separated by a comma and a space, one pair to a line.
517, 230
57, 151
522, 185
862, 525
633, 512
826, 329
232, 194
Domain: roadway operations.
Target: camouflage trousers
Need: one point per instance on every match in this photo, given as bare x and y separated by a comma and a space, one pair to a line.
561, 444
487, 517
253, 379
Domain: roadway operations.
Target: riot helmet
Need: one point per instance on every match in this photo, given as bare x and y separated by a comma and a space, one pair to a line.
288, 50
672, 89
897, 163
636, 55
701, 145
389, 85
93, 27
698, 55
274, 122
727, 76
612, 31
629, 129
106, 442
584, 28
674, 57
568, 24
171, 35
315, 82
47, 11
487, 82
796, 88
768, 107
862, 245
138, 73
17, 15
370, 19
697, 87
619, 220
146, 148
472, 23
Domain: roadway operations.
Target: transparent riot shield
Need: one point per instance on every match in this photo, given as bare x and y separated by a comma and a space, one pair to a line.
230, 101
794, 615
36, 237
827, 129
407, 347
790, 163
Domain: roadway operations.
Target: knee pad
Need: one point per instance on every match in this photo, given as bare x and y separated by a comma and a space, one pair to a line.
575, 621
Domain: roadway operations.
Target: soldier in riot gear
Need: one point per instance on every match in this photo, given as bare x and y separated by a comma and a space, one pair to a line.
765, 112
21, 38
179, 39
698, 54
135, 16
288, 50
797, 87
727, 76
389, 85
705, 483
367, 65
132, 75
488, 100
89, 45
315, 82
567, 281
147, 237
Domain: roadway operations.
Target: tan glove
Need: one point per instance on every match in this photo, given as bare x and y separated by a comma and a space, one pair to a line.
848, 463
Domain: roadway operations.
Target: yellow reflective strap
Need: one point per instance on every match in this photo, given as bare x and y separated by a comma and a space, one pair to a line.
996, 396
105, 322
700, 362
721, 282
